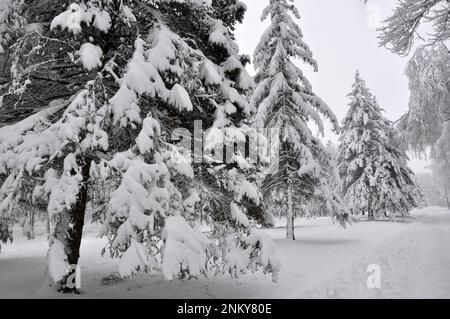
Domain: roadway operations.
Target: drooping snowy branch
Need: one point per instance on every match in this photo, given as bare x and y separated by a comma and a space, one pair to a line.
401, 29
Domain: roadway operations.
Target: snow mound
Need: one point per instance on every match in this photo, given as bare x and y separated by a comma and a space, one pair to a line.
57, 261
184, 248
80, 13
90, 56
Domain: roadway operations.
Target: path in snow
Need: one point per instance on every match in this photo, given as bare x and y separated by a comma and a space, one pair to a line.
326, 261
428, 267
414, 264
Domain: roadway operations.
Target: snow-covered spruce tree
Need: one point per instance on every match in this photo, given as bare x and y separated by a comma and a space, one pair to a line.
400, 191
131, 73
285, 101
373, 167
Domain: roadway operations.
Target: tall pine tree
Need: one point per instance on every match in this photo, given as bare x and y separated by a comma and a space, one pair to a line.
373, 167
286, 101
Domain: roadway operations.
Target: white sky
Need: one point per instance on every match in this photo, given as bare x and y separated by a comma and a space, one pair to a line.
343, 38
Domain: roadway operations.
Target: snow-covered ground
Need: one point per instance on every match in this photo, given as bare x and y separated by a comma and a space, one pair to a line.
326, 261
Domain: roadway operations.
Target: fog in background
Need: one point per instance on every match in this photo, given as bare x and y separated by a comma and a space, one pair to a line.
343, 38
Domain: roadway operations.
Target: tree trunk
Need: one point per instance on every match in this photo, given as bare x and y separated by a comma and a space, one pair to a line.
371, 216
290, 235
447, 197
48, 227
370, 212
69, 231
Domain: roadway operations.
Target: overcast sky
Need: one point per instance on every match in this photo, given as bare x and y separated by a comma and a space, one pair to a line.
343, 38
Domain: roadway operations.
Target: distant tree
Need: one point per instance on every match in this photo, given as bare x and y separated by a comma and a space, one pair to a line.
433, 192
441, 163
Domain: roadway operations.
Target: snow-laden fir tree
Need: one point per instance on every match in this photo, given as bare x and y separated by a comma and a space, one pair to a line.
116, 81
286, 101
400, 191
373, 167
362, 132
